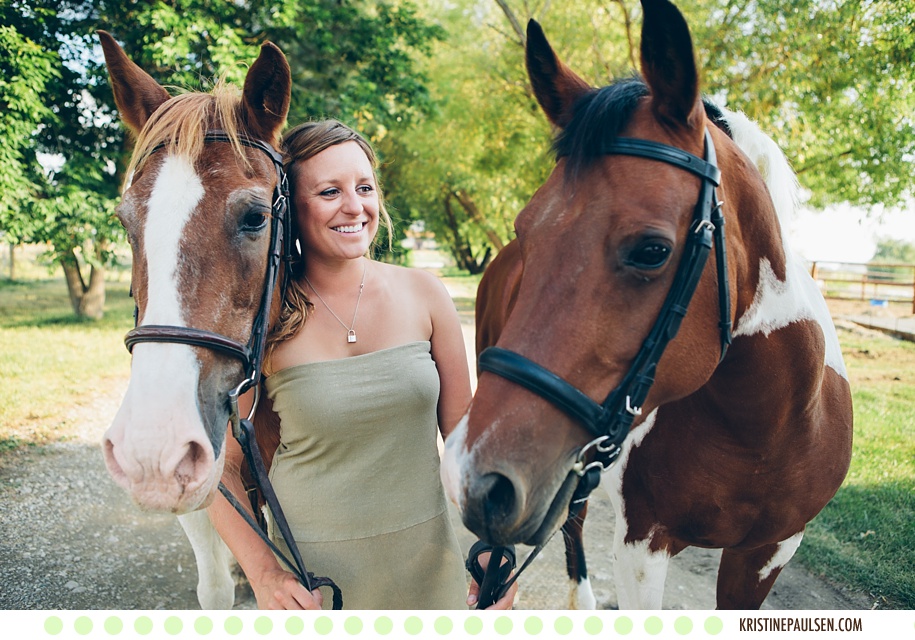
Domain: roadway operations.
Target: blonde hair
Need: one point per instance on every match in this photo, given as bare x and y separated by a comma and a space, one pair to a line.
300, 144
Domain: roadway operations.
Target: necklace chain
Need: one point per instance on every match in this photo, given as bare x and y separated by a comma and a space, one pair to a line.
350, 330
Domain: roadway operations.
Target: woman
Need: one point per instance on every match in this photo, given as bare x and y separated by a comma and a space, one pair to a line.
367, 358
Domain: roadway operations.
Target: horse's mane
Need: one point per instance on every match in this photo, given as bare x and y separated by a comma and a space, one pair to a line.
771, 163
180, 123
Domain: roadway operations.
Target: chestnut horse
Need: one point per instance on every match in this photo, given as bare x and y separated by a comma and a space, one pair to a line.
713, 438
200, 212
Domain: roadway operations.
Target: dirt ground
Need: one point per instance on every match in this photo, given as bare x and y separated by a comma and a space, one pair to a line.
73, 540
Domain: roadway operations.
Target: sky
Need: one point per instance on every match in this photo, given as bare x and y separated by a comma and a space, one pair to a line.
848, 234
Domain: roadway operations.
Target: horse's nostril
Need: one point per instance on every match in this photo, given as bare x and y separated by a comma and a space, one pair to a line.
497, 497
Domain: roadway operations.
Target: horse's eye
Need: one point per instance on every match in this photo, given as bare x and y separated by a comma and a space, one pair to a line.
651, 255
254, 221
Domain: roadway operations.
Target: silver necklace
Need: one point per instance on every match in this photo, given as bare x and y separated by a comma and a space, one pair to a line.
350, 330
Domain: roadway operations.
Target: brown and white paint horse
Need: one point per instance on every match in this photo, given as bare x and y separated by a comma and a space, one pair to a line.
738, 454
197, 215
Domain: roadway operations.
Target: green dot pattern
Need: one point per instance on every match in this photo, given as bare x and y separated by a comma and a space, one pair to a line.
384, 625
714, 625
53, 625
413, 625
623, 625
173, 625
368, 625
233, 625
353, 625
593, 625
683, 625
443, 625
473, 625
113, 625
83, 625
143, 625
533, 625
203, 625
263, 625
295, 625
653, 625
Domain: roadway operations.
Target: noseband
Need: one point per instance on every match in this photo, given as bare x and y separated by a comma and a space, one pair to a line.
609, 422
251, 356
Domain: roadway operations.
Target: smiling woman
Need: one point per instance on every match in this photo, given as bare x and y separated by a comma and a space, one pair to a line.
364, 362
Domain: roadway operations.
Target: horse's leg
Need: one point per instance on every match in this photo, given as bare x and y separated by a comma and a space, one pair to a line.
639, 573
580, 594
745, 577
215, 585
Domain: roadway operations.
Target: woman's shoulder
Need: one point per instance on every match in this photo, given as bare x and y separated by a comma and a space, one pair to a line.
411, 279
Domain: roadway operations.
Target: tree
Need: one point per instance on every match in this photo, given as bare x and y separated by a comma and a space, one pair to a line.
353, 60
25, 69
892, 250
837, 96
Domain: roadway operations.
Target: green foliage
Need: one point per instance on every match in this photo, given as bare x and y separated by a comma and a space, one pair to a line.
25, 69
837, 95
350, 59
891, 250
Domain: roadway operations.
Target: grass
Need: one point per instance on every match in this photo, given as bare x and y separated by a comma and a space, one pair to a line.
865, 538
50, 361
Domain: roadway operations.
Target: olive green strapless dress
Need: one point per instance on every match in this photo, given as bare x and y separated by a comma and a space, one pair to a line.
357, 473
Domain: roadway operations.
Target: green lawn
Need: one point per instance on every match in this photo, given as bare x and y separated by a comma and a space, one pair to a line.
866, 535
51, 362
865, 538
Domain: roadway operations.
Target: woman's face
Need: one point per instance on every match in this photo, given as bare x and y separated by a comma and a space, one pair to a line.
336, 203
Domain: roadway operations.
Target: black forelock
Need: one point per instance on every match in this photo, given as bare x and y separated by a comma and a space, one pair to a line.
599, 116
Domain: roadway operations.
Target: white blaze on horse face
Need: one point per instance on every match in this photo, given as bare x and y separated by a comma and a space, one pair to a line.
777, 304
452, 469
780, 558
175, 195
157, 445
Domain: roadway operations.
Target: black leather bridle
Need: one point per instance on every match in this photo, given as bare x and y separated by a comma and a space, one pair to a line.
251, 356
609, 422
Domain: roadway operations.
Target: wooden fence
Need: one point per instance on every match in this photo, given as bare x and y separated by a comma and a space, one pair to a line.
856, 281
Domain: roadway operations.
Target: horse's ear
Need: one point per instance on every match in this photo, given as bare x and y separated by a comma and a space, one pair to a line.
669, 64
555, 85
136, 94
266, 94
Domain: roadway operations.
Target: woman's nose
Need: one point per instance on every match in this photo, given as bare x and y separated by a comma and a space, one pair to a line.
351, 202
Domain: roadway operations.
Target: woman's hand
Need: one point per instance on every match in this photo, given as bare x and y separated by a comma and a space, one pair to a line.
473, 594
278, 589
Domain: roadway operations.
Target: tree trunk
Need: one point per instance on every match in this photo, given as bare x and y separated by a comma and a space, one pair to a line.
12, 261
87, 301
473, 212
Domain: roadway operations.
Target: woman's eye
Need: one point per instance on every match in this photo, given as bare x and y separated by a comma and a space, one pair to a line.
330, 192
651, 255
366, 188
254, 221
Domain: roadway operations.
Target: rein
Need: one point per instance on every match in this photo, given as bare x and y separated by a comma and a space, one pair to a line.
609, 422
251, 356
